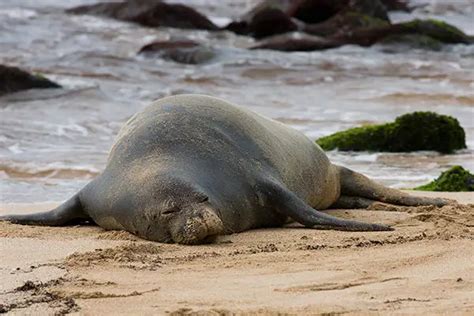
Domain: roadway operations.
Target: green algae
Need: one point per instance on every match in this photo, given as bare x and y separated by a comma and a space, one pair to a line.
455, 179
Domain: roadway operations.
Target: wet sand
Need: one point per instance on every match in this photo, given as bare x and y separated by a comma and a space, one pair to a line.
424, 266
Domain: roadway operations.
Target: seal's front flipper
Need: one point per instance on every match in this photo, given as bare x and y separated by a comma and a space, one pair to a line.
358, 185
286, 202
65, 213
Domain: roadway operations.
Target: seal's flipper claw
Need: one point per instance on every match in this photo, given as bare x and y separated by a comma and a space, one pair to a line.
286, 202
63, 214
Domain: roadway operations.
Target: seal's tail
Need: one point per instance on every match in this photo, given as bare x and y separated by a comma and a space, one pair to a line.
354, 184
66, 213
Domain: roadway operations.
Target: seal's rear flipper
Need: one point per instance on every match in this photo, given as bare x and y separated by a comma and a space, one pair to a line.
357, 185
353, 202
286, 202
65, 213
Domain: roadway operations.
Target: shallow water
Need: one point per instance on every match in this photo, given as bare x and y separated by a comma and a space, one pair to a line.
52, 142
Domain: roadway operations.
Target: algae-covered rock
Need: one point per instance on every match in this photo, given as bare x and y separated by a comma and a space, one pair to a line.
419, 41
455, 179
13, 79
426, 30
344, 22
410, 132
436, 29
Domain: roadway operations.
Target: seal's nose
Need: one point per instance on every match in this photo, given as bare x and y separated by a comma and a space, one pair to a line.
213, 222
197, 225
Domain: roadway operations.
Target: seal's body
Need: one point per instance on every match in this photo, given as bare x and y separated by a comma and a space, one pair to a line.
191, 167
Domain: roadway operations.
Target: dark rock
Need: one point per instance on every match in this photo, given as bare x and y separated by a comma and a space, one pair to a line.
180, 51
344, 23
329, 34
410, 132
315, 11
168, 45
437, 30
281, 16
270, 22
238, 27
356, 29
344, 16
372, 8
265, 19
282, 5
13, 79
396, 5
455, 179
153, 13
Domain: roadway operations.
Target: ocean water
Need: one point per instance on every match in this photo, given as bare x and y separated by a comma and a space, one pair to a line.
52, 142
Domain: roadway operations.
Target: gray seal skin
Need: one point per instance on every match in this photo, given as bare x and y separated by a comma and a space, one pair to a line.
191, 167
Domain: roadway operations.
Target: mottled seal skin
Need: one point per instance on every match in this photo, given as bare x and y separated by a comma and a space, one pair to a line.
190, 167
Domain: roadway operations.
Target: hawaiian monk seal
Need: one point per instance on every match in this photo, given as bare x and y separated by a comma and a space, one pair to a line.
191, 167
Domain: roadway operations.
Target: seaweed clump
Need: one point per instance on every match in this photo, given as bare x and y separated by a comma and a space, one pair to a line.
410, 132
455, 179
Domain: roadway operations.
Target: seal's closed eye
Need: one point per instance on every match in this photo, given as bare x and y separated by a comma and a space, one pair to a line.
171, 210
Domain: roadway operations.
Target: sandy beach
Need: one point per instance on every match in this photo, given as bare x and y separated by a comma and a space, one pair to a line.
424, 266
102, 67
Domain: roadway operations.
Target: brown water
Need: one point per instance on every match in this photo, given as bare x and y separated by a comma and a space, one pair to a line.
52, 142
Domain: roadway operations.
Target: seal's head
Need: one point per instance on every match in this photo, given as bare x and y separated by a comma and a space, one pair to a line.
182, 213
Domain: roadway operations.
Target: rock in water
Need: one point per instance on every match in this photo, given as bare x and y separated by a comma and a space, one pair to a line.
180, 51
14, 79
152, 13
